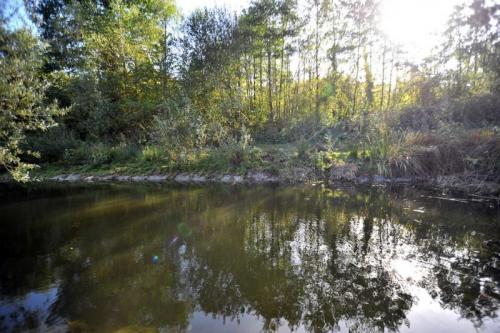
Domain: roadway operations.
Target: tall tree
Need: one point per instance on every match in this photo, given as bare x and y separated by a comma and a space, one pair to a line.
209, 67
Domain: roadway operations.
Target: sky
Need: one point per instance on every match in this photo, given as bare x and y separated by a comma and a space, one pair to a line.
16, 11
416, 24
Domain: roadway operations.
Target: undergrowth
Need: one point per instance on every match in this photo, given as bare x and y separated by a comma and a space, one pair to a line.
414, 142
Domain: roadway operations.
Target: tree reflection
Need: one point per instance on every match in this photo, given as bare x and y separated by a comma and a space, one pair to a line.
318, 258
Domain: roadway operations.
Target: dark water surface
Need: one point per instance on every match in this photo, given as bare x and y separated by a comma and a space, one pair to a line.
144, 258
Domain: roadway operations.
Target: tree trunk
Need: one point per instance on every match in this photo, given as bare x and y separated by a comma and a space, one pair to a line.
390, 83
383, 79
270, 84
316, 60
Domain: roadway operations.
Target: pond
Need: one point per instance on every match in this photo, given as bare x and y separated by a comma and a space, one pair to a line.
141, 258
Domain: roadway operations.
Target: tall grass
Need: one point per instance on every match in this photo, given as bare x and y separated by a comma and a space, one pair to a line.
433, 154
436, 146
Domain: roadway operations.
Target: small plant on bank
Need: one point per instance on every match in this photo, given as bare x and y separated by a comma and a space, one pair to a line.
150, 153
302, 148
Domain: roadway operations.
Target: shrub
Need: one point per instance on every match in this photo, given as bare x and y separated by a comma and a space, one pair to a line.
77, 156
477, 111
302, 148
98, 154
234, 153
239, 150
150, 153
123, 153
53, 143
419, 118
323, 160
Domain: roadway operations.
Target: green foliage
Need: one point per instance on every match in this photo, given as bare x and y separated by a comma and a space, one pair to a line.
123, 49
53, 143
99, 154
323, 160
179, 127
191, 96
22, 99
233, 158
150, 153
302, 148
239, 152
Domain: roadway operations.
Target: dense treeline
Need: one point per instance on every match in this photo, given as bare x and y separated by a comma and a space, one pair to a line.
123, 77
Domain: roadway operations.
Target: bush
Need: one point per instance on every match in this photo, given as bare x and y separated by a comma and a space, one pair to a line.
53, 143
150, 153
323, 160
178, 126
302, 148
419, 118
124, 153
235, 153
477, 111
98, 154
239, 150
76, 156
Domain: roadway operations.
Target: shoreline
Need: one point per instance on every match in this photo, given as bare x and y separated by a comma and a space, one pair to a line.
442, 184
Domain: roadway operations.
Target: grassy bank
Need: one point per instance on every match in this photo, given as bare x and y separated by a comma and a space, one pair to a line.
453, 155
454, 146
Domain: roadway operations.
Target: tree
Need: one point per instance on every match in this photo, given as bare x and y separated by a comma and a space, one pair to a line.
472, 49
271, 27
61, 29
22, 90
210, 64
319, 8
124, 50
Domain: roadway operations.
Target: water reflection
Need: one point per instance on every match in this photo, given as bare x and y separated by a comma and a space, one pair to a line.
246, 259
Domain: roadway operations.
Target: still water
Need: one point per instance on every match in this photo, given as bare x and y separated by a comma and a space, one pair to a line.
146, 258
